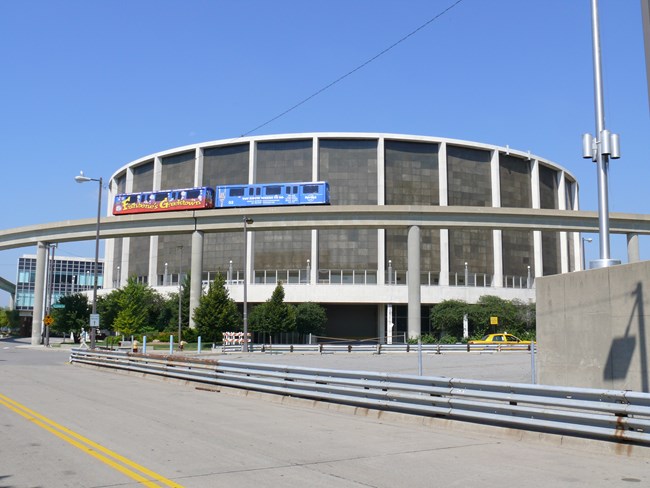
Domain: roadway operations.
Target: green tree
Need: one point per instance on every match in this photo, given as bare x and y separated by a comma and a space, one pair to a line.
4, 319
138, 306
492, 306
74, 315
217, 312
447, 318
311, 318
274, 315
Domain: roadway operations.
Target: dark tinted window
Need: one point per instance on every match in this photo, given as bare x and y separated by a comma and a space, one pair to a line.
310, 189
236, 192
273, 190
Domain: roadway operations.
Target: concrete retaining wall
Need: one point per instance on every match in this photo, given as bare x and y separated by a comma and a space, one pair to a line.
592, 328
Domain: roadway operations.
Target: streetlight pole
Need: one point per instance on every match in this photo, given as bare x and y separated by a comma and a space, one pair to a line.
180, 273
94, 318
600, 148
584, 261
247, 220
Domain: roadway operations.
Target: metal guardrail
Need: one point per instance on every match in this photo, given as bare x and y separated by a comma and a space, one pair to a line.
325, 348
619, 416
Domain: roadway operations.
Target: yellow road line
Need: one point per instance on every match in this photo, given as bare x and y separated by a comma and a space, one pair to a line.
89, 447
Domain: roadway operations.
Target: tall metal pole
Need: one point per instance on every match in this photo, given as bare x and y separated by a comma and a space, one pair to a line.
606, 144
245, 343
180, 274
93, 327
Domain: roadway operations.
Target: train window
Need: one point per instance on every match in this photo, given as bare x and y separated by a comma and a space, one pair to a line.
295, 189
310, 189
258, 191
159, 197
193, 193
237, 192
287, 190
273, 190
251, 192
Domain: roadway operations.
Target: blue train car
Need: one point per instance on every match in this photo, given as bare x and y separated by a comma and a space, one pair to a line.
273, 194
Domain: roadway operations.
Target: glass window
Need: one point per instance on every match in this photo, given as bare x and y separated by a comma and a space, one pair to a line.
279, 161
411, 173
515, 175
237, 192
469, 177
273, 190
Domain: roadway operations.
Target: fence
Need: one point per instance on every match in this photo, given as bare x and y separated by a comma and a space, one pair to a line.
619, 416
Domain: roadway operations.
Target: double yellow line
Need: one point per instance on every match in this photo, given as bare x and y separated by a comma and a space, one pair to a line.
134, 471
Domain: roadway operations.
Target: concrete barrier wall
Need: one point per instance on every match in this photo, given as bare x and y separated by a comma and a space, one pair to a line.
592, 328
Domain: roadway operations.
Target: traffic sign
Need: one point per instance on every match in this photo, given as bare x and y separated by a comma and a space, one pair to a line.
58, 305
94, 320
48, 320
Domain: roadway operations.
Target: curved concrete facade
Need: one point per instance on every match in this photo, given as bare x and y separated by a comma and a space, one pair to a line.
349, 270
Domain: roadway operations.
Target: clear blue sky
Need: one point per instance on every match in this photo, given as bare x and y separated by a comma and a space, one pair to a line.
93, 85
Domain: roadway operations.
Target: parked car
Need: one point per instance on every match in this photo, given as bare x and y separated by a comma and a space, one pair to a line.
500, 338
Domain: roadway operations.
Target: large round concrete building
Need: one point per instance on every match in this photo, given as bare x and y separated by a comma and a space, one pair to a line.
357, 272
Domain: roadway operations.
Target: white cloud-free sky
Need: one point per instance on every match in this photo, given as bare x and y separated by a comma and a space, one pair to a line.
94, 85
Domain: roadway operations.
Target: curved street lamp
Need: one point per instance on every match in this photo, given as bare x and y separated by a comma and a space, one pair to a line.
94, 318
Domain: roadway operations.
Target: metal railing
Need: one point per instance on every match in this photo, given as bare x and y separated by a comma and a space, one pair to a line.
619, 416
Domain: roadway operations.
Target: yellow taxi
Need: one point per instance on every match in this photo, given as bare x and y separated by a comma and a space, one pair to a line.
500, 338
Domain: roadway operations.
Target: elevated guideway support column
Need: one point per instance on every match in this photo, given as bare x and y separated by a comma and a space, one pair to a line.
414, 293
196, 273
39, 293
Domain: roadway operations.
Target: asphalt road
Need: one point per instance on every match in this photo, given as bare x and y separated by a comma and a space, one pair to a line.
73, 426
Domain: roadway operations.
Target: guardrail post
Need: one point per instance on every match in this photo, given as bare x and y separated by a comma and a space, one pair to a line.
198, 347
349, 347
468, 347
171, 344
144, 344
533, 375
320, 348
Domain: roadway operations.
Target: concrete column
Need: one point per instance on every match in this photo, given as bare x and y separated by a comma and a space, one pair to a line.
633, 255
497, 239
153, 261
313, 260
198, 167
381, 200
315, 176
497, 254
39, 293
537, 234
196, 273
444, 201
414, 319
381, 323
109, 244
564, 240
444, 257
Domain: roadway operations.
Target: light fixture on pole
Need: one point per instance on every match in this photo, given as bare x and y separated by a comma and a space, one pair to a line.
584, 261
247, 221
180, 273
94, 317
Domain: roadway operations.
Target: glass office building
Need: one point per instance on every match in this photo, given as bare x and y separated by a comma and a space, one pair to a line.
64, 276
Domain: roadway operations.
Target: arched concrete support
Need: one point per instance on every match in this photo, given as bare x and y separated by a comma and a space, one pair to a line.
414, 297
39, 293
196, 273
633, 255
